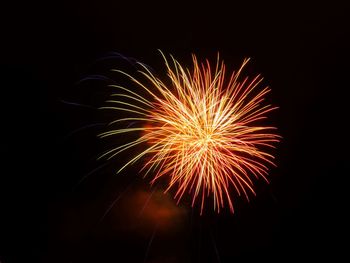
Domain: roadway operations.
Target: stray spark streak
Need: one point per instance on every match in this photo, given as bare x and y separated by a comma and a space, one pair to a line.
202, 131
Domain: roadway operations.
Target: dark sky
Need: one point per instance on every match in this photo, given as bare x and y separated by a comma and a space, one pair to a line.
48, 216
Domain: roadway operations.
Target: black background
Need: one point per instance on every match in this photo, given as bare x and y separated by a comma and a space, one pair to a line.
300, 48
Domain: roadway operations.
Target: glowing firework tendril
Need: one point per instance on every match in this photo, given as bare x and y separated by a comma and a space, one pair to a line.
201, 131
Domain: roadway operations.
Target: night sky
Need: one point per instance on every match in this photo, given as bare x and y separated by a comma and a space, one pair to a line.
57, 207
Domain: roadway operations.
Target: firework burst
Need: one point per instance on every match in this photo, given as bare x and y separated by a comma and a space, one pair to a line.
202, 131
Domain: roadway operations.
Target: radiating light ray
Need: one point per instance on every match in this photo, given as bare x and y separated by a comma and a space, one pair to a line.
202, 133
